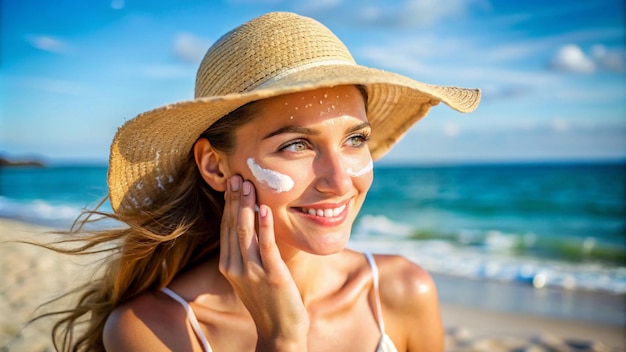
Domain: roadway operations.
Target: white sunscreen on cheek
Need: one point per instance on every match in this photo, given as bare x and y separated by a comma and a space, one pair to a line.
274, 180
369, 167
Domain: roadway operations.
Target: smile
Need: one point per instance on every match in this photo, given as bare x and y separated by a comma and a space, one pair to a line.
326, 213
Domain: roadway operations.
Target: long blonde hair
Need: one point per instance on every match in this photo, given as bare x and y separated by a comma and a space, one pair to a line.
179, 231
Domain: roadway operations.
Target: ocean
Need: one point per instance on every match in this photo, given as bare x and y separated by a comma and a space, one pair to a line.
541, 226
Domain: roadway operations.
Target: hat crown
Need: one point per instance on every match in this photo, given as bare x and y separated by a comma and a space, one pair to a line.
264, 48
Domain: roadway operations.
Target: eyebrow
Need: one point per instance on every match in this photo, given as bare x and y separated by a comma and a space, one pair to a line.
310, 131
359, 127
292, 129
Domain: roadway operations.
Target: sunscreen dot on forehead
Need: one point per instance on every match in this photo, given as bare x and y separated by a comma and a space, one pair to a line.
369, 167
275, 180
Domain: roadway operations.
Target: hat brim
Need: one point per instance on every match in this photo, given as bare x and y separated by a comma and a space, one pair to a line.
154, 144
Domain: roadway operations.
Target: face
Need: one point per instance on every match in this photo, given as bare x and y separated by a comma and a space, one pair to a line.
307, 155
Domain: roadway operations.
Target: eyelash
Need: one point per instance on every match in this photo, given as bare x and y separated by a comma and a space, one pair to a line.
292, 143
362, 137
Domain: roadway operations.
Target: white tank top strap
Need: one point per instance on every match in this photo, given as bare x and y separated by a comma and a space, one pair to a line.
192, 318
385, 344
379, 311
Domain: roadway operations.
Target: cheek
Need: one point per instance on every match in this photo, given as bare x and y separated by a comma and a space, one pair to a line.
272, 179
274, 185
363, 183
300, 173
357, 168
361, 171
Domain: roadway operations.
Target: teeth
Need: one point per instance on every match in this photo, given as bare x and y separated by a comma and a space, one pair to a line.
325, 213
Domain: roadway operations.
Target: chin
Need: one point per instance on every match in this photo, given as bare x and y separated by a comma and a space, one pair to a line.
331, 246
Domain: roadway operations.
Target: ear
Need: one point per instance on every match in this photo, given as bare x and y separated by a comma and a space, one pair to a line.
211, 164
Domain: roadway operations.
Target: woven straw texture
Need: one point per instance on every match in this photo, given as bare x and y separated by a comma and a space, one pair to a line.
275, 54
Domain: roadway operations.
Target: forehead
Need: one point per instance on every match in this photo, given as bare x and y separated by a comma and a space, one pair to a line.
321, 103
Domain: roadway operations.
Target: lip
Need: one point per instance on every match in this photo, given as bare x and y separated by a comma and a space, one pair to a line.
321, 220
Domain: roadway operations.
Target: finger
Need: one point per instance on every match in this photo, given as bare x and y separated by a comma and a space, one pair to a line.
246, 225
224, 231
270, 255
234, 250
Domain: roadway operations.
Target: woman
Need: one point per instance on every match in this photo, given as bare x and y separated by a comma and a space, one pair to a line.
238, 206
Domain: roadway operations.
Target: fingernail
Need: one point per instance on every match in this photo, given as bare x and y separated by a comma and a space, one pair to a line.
234, 183
263, 211
246, 188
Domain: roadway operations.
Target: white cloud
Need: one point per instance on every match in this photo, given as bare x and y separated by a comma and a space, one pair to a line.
190, 48
570, 58
455, 60
435, 65
520, 49
48, 43
614, 61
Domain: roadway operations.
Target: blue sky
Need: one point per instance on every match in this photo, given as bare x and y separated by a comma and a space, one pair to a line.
553, 73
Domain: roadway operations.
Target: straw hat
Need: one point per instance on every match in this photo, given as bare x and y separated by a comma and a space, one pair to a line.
271, 55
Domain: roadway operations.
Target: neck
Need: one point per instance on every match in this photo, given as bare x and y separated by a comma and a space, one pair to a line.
312, 273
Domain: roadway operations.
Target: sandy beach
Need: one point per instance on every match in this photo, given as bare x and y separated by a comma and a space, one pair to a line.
30, 276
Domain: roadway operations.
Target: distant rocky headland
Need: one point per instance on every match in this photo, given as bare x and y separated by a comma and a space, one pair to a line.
4, 162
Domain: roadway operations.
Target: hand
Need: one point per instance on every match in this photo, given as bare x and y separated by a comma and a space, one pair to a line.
253, 266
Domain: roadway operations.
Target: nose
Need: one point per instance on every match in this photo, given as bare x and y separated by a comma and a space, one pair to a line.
332, 177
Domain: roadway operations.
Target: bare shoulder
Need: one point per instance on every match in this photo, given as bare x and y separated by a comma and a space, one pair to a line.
403, 281
147, 323
410, 304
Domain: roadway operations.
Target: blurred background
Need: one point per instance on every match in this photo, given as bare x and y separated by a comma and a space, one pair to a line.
528, 190
552, 73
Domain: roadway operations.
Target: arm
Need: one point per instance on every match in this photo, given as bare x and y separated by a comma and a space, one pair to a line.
140, 326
